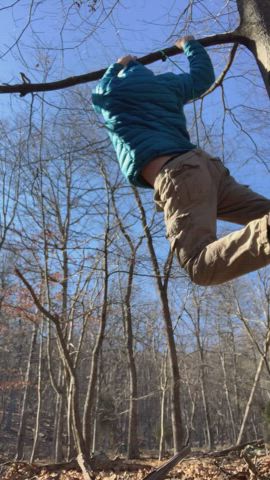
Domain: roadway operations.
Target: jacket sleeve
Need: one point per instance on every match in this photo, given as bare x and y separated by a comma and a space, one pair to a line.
101, 87
111, 72
201, 75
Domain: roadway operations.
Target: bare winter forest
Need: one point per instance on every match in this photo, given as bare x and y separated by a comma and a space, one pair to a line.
106, 347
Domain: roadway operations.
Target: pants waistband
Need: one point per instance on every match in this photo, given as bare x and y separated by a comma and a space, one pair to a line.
173, 157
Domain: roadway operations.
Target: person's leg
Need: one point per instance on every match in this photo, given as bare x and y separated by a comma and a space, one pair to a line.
237, 203
247, 249
236, 254
187, 191
193, 190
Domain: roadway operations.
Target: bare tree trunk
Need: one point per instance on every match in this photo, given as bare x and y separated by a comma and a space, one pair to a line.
254, 387
58, 429
177, 424
255, 27
96, 413
227, 395
208, 426
23, 418
10, 411
39, 391
82, 453
191, 401
164, 384
132, 451
132, 448
69, 426
57, 386
91, 389
250, 400
237, 415
196, 320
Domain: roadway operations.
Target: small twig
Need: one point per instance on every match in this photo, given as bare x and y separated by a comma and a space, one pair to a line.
221, 77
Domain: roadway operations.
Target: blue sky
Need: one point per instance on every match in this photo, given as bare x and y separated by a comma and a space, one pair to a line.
63, 37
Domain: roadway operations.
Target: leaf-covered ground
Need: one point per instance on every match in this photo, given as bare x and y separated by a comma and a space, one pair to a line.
193, 468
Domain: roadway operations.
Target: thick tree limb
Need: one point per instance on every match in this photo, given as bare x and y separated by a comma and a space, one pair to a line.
234, 448
25, 88
162, 472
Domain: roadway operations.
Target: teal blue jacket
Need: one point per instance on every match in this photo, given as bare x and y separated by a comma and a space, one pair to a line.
143, 112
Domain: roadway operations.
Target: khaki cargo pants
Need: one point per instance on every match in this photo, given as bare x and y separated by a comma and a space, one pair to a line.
195, 190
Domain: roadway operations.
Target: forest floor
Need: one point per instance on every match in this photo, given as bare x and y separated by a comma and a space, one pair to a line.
197, 466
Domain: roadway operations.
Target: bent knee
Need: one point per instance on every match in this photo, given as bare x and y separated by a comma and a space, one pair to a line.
201, 275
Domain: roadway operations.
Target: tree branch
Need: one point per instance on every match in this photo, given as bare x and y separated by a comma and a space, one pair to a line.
54, 318
25, 88
221, 77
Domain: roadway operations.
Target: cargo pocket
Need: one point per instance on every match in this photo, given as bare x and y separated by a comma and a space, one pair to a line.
175, 226
178, 235
191, 182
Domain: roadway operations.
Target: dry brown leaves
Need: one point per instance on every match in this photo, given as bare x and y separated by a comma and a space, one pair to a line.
223, 469
190, 469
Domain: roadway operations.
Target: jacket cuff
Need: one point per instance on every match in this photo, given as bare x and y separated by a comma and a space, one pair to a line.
114, 69
190, 46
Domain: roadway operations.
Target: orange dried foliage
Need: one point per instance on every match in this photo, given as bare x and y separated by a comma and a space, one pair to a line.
12, 385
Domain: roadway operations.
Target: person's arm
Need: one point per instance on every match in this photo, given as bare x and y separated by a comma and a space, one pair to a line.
201, 75
112, 71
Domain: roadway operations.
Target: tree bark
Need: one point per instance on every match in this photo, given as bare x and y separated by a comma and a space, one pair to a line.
132, 451
196, 320
83, 453
177, 424
208, 426
250, 400
255, 29
58, 428
23, 418
91, 389
254, 387
39, 391
227, 395
132, 448
163, 386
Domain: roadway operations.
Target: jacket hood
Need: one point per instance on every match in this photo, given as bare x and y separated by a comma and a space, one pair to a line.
134, 67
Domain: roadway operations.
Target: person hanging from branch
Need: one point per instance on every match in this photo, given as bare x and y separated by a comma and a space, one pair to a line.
144, 117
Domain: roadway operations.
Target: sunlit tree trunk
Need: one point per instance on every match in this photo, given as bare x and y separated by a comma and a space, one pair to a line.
255, 27
254, 387
177, 424
91, 388
58, 428
132, 450
227, 395
39, 393
163, 386
24, 414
